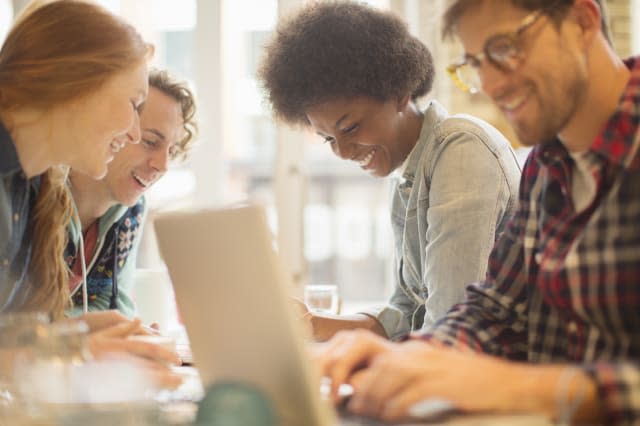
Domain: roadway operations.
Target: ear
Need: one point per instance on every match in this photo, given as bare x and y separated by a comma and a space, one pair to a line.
587, 15
403, 102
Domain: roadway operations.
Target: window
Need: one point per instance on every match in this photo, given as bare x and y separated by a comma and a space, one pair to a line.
6, 14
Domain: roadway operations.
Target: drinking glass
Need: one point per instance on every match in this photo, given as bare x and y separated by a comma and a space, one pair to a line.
322, 298
18, 337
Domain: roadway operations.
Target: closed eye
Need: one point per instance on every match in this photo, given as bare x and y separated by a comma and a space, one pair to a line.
149, 143
328, 139
351, 128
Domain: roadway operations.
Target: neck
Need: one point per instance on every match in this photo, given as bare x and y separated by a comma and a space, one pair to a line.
412, 126
32, 134
600, 101
90, 198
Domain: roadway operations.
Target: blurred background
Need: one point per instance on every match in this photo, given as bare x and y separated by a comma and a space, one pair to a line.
331, 219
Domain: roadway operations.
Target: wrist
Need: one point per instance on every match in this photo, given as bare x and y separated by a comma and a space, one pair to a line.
563, 393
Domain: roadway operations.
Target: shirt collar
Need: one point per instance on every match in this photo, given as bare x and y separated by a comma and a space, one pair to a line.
433, 114
9, 158
616, 140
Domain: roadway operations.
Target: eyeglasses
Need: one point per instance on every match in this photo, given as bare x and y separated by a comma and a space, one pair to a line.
501, 50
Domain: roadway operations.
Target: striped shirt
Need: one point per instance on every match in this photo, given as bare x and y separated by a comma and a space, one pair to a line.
564, 285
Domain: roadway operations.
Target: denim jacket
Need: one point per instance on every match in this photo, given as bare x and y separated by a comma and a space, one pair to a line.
17, 196
450, 204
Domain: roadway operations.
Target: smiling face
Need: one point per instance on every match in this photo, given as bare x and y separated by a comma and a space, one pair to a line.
102, 123
376, 135
542, 95
137, 167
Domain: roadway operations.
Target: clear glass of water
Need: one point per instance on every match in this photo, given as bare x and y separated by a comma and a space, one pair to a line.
322, 298
18, 337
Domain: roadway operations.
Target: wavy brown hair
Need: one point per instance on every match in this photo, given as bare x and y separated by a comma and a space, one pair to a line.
180, 92
334, 50
56, 53
556, 9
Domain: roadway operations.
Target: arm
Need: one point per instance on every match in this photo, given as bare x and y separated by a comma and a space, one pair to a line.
395, 318
398, 376
325, 326
468, 196
493, 318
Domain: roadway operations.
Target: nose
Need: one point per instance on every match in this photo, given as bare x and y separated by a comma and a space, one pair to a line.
134, 134
159, 160
342, 148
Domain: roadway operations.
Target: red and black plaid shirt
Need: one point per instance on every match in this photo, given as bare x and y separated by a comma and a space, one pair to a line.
564, 286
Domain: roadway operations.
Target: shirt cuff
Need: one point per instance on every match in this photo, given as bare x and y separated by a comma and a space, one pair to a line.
391, 319
618, 390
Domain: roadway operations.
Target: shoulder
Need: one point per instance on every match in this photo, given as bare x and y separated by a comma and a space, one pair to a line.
463, 127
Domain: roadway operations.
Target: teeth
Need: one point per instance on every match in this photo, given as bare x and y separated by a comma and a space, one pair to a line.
116, 146
140, 180
366, 160
514, 103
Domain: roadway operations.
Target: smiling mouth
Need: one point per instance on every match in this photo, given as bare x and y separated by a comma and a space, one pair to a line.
366, 160
143, 183
514, 102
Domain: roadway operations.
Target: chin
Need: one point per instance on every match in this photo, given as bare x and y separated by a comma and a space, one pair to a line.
97, 174
129, 202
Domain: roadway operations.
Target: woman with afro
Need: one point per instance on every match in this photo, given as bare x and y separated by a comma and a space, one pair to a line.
353, 74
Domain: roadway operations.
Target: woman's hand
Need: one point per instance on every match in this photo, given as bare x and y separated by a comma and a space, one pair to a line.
156, 360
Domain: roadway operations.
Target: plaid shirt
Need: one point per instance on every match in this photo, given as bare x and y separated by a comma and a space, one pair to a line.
564, 286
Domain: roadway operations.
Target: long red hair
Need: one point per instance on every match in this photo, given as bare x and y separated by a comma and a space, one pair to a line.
55, 53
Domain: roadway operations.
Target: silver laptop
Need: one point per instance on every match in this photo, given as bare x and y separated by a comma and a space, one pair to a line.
232, 291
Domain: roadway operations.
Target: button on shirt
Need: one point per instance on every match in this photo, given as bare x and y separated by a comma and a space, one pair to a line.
564, 284
17, 195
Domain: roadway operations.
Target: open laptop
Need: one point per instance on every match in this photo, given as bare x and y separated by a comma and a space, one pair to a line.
232, 291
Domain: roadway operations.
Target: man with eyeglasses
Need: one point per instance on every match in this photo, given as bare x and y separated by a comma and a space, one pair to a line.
555, 327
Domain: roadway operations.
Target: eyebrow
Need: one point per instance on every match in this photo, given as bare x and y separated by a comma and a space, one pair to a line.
158, 133
341, 119
337, 125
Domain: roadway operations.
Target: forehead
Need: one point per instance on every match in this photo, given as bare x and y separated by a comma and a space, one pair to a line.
132, 79
162, 113
485, 19
339, 107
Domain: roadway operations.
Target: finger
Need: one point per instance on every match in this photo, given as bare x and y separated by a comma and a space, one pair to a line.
398, 405
353, 352
161, 375
120, 330
147, 330
100, 320
374, 387
150, 351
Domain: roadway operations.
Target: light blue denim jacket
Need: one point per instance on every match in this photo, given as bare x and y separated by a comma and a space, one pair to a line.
450, 204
